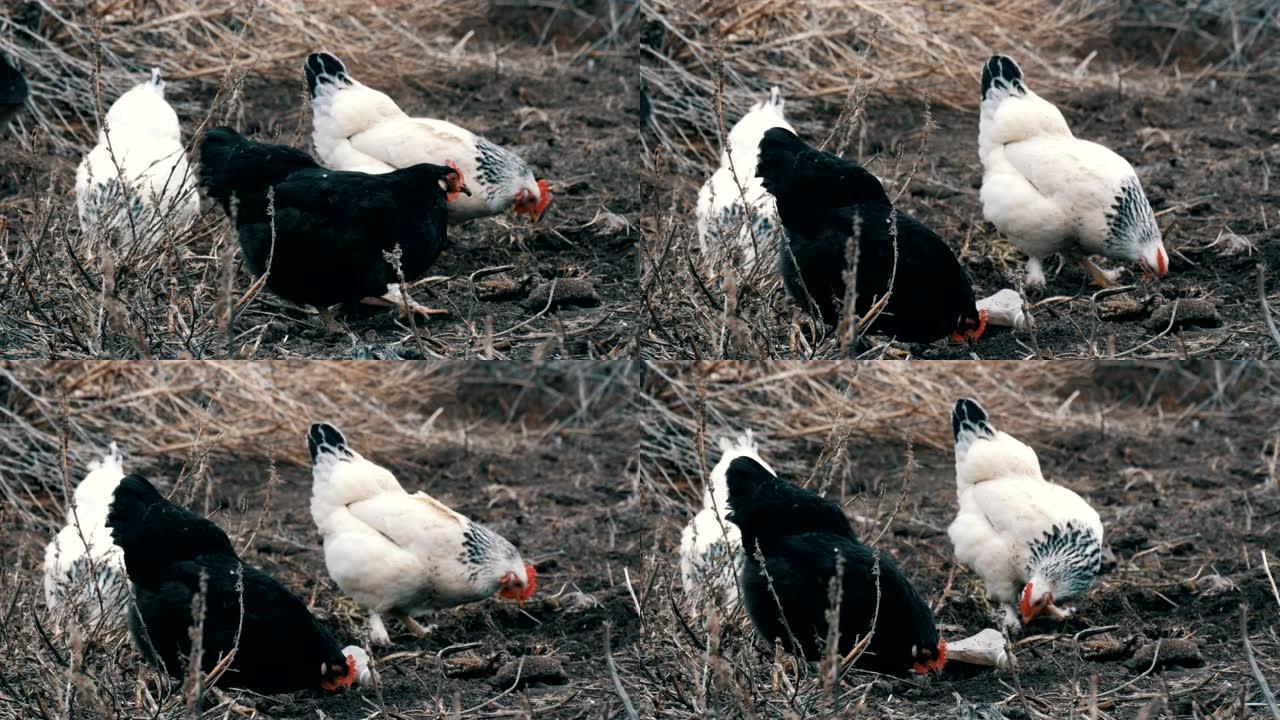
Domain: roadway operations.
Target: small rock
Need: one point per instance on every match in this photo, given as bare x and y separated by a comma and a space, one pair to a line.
1172, 651
1197, 312
536, 669
568, 291
469, 665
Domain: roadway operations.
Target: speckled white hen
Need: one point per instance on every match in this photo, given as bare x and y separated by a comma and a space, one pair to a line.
361, 129
136, 183
398, 553
83, 568
737, 219
1032, 542
710, 545
1049, 191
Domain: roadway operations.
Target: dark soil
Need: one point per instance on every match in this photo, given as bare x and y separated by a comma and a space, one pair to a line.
1203, 151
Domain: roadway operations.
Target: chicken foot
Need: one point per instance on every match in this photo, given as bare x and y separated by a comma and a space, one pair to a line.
395, 297
1101, 278
412, 625
330, 325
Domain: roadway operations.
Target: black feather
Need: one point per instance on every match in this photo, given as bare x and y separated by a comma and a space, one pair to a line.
169, 553
324, 231
969, 416
1002, 71
13, 91
803, 539
323, 438
822, 199
322, 68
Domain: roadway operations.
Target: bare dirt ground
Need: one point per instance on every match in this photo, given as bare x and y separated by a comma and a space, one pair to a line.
1203, 145
549, 83
1177, 468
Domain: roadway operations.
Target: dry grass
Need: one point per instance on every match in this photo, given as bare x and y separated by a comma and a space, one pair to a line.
59, 416
815, 51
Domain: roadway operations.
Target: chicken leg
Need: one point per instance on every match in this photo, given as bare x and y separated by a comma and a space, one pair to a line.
330, 325
1101, 278
377, 631
412, 625
395, 297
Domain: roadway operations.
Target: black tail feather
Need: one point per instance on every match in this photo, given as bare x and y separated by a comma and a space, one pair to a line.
133, 497
1001, 71
969, 416
778, 151
231, 163
324, 438
322, 68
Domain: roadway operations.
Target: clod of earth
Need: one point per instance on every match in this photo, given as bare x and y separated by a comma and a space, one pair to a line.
536, 669
1125, 308
469, 665
1194, 312
1167, 653
1108, 647
502, 287
575, 602
568, 291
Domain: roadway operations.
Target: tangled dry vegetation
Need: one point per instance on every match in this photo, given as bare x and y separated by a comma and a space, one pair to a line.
1172, 457
1179, 88
523, 448
239, 63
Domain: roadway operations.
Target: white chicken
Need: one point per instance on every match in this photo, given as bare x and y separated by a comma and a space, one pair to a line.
402, 554
1032, 542
737, 219
1049, 191
136, 182
361, 129
710, 545
83, 568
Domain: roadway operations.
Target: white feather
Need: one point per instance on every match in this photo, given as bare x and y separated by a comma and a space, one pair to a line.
710, 545
1048, 191
141, 145
84, 545
737, 218
1004, 505
358, 128
390, 550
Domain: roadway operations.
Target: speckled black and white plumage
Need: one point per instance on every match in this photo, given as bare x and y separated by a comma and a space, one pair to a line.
1024, 536
324, 232
1048, 191
399, 553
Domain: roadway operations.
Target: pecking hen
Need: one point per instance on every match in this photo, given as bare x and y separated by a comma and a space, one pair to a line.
1033, 543
737, 219
359, 128
805, 540
823, 200
83, 568
172, 555
710, 545
321, 234
1049, 191
135, 185
402, 554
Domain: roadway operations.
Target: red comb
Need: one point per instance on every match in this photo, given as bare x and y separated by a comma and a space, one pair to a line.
531, 582
544, 197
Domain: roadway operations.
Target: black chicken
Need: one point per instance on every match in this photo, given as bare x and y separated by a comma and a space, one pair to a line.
169, 552
331, 229
13, 91
802, 537
822, 199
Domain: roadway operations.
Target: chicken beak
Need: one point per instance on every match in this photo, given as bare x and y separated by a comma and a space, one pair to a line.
464, 190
